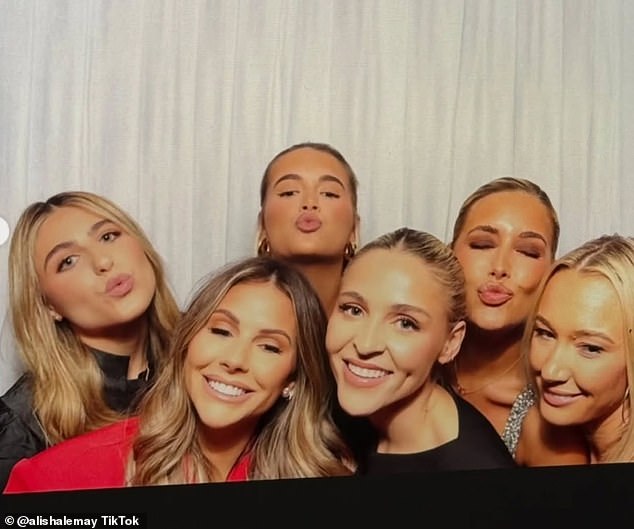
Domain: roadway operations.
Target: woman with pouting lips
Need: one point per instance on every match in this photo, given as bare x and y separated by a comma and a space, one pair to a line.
245, 395
505, 237
92, 315
308, 216
399, 317
581, 343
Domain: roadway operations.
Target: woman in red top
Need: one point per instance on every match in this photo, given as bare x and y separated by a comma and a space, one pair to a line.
246, 395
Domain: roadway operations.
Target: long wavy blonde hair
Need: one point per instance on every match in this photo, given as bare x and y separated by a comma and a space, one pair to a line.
611, 257
66, 380
296, 438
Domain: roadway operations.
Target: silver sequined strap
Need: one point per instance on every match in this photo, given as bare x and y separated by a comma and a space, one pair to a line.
513, 427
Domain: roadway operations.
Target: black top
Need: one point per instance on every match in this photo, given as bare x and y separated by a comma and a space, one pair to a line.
477, 447
20, 432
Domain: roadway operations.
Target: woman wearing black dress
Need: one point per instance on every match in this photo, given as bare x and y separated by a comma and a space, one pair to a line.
399, 316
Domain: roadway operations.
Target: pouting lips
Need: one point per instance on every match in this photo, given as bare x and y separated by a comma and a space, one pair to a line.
227, 389
364, 372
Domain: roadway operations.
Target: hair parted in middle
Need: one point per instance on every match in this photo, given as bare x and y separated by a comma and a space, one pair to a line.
506, 184
610, 257
296, 438
67, 382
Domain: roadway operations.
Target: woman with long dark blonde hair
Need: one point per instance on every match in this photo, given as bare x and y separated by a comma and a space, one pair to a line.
246, 394
92, 315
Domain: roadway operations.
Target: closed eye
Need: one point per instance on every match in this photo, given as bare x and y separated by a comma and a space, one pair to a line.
219, 331
481, 245
271, 348
289, 193
330, 194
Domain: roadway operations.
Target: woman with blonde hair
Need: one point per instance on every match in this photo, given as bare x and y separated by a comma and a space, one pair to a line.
92, 315
505, 237
399, 318
581, 342
308, 214
246, 394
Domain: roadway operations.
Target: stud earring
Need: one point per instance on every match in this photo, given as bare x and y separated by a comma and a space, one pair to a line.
287, 393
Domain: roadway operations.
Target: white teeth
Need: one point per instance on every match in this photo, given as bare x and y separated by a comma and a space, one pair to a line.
226, 389
367, 373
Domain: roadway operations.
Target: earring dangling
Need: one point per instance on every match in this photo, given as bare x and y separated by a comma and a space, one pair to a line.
263, 248
287, 393
349, 251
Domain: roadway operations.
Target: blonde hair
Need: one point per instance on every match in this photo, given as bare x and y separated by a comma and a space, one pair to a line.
438, 256
66, 380
611, 257
506, 184
296, 438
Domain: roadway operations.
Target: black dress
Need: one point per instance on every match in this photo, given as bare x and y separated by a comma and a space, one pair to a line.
20, 432
477, 447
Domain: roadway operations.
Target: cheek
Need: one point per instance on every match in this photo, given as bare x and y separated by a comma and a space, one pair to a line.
275, 211
530, 274
339, 333
608, 381
411, 355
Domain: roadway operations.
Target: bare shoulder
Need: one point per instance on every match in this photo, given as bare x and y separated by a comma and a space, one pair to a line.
543, 444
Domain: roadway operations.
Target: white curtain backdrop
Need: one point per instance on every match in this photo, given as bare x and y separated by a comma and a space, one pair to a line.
173, 108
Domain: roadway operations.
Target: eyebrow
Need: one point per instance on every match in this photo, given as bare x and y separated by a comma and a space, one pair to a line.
397, 307
581, 333
494, 231
322, 178
68, 244
236, 321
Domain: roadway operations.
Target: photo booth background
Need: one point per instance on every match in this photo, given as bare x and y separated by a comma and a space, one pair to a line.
173, 108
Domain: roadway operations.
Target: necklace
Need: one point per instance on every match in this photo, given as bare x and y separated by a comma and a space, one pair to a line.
466, 391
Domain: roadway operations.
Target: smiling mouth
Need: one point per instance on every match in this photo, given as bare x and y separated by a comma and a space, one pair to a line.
226, 390
364, 372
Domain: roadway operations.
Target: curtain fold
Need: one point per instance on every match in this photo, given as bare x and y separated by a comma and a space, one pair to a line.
173, 108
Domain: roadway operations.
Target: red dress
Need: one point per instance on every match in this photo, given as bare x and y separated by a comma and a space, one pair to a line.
95, 460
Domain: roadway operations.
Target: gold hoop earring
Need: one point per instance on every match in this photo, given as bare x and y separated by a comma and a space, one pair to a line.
264, 248
349, 251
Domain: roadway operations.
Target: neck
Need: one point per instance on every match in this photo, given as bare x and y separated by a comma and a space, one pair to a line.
402, 426
325, 278
223, 448
483, 350
129, 339
605, 434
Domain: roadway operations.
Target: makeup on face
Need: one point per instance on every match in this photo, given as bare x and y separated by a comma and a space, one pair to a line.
504, 249
578, 351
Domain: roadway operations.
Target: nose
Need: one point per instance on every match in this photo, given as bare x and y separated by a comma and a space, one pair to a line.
310, 201
370, 340
556, 368
500, 267
102, 262
236, 359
